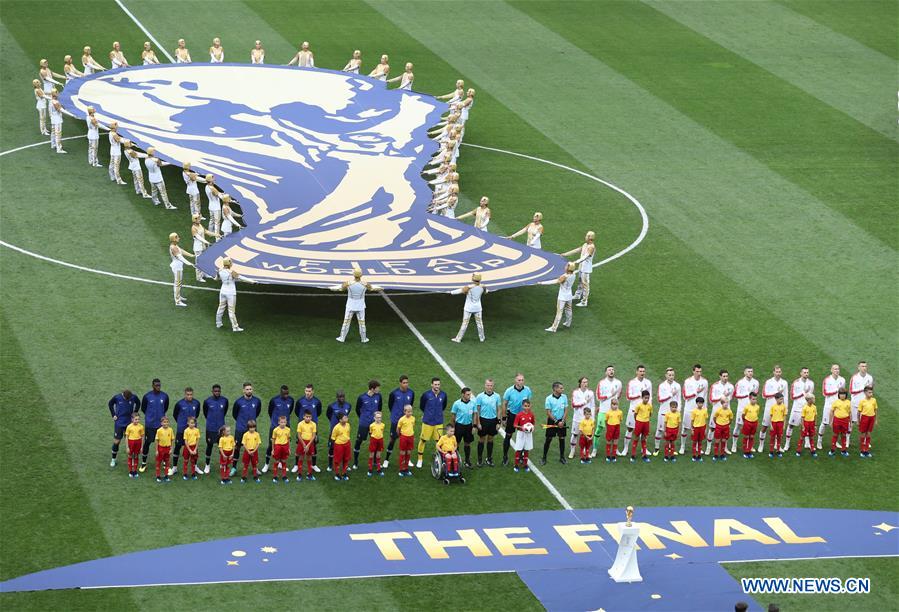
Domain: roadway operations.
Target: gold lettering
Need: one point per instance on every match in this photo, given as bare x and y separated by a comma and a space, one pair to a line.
728, 531
785, 533
684, 534
575, 540
385, 543
509, 546
468, 538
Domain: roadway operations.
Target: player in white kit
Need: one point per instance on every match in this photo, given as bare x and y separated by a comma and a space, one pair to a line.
800, 390
472, 307
228, 294
481, 214
746, 385
115, 153
564, 299
355, 63
381, 71
303, 58
695, 386
581, 397
182, 54
609, 388
199, 233
93, 138
177, 265
355, 304
669, 391
534, 231
720, 389
774, 385
830, 386
216, 51
635, 388
585, 267
154, 175
857, 384
406, 79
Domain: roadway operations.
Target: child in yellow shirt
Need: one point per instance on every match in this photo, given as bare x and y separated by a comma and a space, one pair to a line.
134, 433
165, 437
191, 450
306, 430
672, 430
585, 441
251, 441
375, 445
447, 445
226, 454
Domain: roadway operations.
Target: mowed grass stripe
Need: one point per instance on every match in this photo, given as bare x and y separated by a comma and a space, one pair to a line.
871, 22
45, 466
802, 52
666, 336
841, 162
676, 158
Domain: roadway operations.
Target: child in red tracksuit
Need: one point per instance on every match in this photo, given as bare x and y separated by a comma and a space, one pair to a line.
226, 454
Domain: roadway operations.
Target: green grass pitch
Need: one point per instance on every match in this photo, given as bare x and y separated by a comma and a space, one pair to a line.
760, 136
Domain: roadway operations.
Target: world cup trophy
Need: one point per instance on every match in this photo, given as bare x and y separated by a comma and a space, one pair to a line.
625, 568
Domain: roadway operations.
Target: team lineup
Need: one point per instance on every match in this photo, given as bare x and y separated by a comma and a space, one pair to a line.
693, 411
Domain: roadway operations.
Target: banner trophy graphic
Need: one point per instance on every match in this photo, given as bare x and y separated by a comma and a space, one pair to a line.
325, 165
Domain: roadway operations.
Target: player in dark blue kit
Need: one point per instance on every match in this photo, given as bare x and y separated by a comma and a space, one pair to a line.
309, 402
154, 405
334, 412
396, 401
215, 407
367, 405
280, 405
121, 407
432, 405
185, 408
246, 407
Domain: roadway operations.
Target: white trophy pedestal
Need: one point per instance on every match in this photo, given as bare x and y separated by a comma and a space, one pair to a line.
625, 568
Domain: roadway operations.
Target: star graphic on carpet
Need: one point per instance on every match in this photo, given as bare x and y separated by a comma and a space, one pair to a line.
674, 556
885, 527
231, 562
269, 549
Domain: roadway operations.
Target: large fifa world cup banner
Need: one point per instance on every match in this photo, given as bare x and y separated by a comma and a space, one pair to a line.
326, 166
